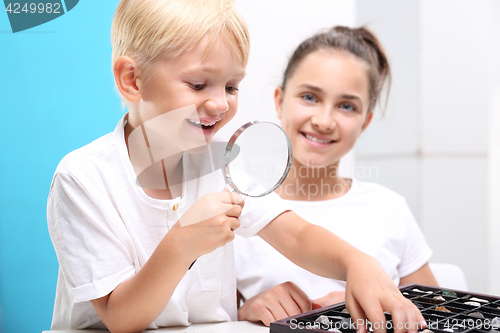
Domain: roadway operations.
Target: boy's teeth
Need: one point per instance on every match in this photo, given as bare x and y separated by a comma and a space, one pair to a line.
197, 122
312, 138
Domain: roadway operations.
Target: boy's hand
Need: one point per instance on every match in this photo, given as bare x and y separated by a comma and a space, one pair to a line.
281, 301
209, 223
369, 292
331, 298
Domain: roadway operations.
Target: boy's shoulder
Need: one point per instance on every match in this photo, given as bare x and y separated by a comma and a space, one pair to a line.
89, 156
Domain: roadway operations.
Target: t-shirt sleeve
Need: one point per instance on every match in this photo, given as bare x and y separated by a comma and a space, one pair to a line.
415, 251
91, 252
258, 212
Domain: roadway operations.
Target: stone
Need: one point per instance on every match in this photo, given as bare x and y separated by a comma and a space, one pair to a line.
442, 308
472, 303
478, 300
421, 291
345, 311
439, 298
323, 319
476, 314
448, 293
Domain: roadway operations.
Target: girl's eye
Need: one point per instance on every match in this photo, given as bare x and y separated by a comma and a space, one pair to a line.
196, 86
348, 107
309, 98
231, 90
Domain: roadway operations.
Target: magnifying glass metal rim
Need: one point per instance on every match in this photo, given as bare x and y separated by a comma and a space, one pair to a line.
227, 153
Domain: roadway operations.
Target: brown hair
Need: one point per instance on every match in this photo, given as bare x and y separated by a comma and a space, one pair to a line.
359, 42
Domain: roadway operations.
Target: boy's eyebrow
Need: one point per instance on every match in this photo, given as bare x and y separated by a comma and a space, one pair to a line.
212, 70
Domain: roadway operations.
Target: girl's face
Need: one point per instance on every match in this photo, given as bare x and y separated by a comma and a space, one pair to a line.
209, 81
324, 108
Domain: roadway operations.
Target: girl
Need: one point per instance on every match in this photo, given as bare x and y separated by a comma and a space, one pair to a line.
125, 243
330, 88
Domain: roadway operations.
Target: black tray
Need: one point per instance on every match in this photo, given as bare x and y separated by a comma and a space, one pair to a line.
458, 320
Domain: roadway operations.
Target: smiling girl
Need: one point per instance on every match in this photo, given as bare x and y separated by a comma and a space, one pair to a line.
330, 89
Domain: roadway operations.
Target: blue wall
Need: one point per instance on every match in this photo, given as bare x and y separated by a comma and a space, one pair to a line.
56, 94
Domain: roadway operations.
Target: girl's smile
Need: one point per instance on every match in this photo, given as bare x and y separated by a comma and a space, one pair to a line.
324, 107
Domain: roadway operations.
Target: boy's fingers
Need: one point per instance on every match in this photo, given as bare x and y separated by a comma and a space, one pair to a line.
233, 211
234, 223
357, 313
232, 198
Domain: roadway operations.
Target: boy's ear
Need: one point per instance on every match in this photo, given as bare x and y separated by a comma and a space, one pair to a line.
125, 71
368, 119
278, 100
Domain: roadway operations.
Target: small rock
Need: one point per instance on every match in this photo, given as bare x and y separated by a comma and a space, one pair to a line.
421, 291
345, 311
478, 300
439, 298
448, 293
476, 314
495, 322
473, 303
323, 319
442, 308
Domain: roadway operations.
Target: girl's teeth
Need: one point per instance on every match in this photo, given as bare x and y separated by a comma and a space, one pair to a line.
312, 138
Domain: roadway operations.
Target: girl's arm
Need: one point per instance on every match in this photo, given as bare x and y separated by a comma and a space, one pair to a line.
422, 276
369, 291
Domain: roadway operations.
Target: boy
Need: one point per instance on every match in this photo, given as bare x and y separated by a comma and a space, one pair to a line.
125, 250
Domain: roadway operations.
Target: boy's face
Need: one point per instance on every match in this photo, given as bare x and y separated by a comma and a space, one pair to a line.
208, 81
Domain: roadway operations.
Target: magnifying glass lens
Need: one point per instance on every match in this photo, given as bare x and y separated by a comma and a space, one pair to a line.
259, 159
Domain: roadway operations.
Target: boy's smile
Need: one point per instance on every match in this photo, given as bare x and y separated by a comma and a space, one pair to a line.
207, 80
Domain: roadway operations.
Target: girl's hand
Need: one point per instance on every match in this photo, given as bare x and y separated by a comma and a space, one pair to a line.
331, 298
369, 292
281, 301
208, 224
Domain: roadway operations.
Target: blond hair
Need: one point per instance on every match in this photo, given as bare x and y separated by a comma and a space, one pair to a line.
150, 30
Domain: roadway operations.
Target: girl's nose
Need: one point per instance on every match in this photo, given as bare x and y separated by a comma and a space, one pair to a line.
217, 103
323, 120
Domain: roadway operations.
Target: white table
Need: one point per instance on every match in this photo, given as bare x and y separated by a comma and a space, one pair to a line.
226, 327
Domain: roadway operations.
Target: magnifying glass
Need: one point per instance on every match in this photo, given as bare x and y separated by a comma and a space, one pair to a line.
257, 159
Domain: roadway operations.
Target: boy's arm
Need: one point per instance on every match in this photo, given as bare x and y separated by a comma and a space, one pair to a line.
369, 290
135, 303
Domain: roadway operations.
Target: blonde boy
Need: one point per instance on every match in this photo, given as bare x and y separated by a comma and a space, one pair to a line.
123, 255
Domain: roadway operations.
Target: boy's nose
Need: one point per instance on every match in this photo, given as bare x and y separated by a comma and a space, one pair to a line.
217, 104
324, 120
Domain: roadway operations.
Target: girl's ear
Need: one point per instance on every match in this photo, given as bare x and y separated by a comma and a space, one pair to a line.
278, 100
368, 119
127, 80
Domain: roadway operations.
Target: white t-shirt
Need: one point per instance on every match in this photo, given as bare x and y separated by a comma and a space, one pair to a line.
369, 216
104, 228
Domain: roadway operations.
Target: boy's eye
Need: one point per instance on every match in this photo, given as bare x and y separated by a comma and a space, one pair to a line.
197, 86
308, 98
231, 89
347, 107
